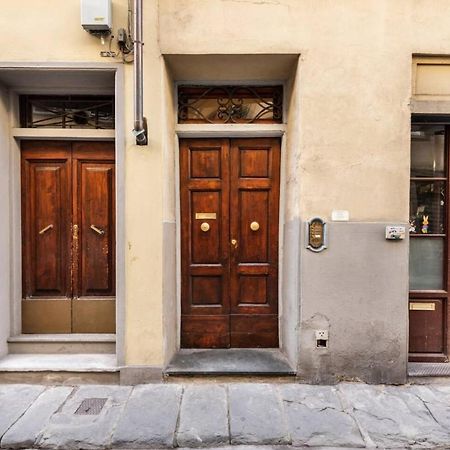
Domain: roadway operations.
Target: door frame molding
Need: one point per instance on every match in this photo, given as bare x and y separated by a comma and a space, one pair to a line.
205, 131
15, 135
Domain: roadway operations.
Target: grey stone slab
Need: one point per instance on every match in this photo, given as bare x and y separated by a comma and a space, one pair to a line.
150, 417
256, 415
14, 401
26, 430
242, 361
437, 400
394, 417
203, 416
316, 417
67, 430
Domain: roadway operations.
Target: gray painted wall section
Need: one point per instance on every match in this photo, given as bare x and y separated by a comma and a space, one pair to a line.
5, 216
358, 290
290, 294
170, 299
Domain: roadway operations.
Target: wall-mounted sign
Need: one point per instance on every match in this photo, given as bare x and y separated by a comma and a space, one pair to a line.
395, 233
316, 232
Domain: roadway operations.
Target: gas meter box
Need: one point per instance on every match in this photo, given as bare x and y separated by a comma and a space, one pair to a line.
96, 15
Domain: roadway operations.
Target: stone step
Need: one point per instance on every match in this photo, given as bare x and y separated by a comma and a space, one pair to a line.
62, 344
59, 369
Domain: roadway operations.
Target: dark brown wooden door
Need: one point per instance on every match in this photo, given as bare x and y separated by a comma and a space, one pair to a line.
68, 209
229, 242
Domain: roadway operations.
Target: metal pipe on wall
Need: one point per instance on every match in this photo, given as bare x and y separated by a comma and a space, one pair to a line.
140, 125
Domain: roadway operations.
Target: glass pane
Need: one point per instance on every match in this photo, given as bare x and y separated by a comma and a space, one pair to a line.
426, 263
427, 207
230, 104
68, 112
427, 151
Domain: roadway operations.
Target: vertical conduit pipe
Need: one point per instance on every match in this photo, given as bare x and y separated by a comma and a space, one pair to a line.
140, 126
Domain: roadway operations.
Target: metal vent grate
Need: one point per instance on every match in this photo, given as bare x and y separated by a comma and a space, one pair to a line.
91, 406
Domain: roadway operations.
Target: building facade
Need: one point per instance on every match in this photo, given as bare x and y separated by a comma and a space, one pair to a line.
261, 116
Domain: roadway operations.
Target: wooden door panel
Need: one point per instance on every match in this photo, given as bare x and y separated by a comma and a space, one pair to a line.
96, 228
229, 268
255, 197
46, 220
66, 188
93, 306
204, 192
426, 327
206, 246
253, 207
255, 174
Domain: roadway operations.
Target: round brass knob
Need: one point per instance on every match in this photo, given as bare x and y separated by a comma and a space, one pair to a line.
204, 226
254, 226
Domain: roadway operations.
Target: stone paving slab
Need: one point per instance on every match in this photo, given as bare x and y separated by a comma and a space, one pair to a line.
150, 417
26, 430
14, 401
317, 418
67, 430
203, 417
246, 415
437, 400
256, 415
394, 417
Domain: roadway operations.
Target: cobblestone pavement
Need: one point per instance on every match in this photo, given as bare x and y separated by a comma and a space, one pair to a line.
348, 415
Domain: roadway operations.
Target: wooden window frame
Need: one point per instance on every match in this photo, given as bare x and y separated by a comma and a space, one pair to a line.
443, 294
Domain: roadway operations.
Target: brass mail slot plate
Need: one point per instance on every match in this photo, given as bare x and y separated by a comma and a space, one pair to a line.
206, 216
422, 306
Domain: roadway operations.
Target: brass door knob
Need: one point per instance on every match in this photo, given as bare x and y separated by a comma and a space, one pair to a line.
205, 227
254, 226
234, 242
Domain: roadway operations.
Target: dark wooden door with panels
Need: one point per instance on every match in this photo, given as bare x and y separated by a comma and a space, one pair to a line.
68, 237
429, 283
229, 192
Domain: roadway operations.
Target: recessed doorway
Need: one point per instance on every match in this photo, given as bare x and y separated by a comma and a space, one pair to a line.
229, 242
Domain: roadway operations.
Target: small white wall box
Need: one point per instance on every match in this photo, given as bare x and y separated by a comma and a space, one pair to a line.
96, 15
395, 232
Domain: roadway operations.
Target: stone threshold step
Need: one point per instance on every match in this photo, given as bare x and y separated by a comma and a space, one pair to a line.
263, 362
66, 338
59, 363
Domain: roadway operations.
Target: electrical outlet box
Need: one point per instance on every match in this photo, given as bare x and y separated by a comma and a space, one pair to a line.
96, 15
322, 334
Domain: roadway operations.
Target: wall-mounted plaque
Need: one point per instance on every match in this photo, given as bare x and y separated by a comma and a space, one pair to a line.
422, 306
316, 233
205, 216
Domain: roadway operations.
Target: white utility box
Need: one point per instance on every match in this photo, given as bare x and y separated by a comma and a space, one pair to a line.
96, 15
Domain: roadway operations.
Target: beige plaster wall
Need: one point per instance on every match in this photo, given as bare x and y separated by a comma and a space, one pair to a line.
50, 31
353, 135
356, 75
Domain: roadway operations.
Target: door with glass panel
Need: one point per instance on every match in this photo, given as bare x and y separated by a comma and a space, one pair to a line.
429, 280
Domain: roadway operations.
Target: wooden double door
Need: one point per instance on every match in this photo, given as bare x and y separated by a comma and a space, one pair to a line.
229, 242
68, 237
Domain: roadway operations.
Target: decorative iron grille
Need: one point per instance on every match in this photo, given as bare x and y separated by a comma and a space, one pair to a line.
230, 104
67, 111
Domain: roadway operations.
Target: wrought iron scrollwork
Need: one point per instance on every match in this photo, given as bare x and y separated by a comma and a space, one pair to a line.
233, 104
